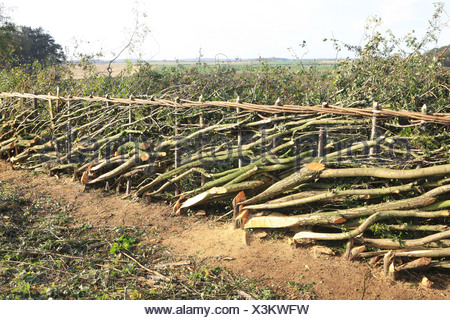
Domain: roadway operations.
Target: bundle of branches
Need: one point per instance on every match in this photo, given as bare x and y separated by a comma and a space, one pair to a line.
379, 186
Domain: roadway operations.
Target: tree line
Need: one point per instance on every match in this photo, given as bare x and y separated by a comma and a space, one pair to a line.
23, 45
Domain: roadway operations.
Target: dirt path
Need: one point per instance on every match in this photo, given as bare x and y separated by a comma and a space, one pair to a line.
270, 260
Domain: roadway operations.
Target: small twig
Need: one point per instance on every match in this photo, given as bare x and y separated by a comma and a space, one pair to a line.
163, 277
223, 216
363, 290
44, 253
35, 265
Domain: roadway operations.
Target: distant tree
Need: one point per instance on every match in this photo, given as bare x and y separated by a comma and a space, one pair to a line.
32, 45
21, 45
7, 30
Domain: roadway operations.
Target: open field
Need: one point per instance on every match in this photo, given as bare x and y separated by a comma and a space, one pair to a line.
101, 68
293, 65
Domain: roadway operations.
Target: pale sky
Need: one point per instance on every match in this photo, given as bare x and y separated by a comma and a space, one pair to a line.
230, 28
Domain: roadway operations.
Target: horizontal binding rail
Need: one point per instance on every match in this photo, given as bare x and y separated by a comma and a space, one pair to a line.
443, 118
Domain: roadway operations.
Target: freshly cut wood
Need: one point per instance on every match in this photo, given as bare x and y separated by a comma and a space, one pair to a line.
307, 173
101, 164
438, 205
386, 173
391, 244
242, 218
371, 220
202, 197
230, 190
408, 252
432, 253
404, 204
426, 283
392, 272
300, 199
296, 196
117, 171
177, 205
315, 166
356, 251
418, 263
278, 220
239, 198
87, 175
437, 191
237, 208
387, 261
374, 261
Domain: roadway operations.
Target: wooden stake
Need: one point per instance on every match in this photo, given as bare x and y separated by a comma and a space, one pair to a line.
34, 103
348, 248
391, 273
202, 124
130, 119
238, 110
373, 134
69, 135
50, 110
275, 141
423, 122
387, 260
177, 185
128, 186
52, 123
57, 100
322, 137
130, 138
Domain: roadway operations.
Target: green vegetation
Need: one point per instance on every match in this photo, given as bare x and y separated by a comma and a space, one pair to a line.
22, 46
43, 256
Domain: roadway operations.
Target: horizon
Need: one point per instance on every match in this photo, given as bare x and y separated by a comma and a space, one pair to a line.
207, 59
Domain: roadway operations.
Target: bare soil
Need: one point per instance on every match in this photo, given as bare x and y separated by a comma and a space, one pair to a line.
270, 260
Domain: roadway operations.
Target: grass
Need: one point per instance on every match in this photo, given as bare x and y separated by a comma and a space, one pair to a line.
44, 256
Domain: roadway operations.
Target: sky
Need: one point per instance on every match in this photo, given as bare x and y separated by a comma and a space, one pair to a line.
225, 30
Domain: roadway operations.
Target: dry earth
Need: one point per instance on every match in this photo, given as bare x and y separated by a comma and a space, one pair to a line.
270, 260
